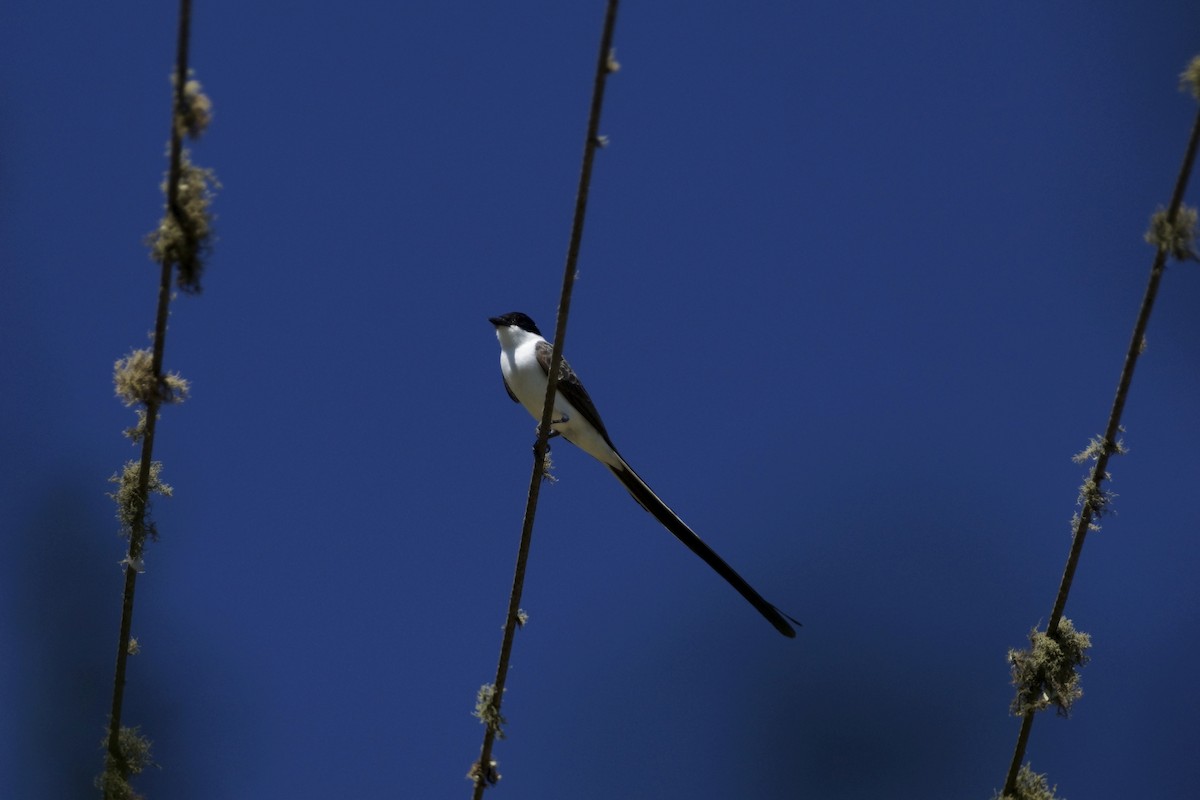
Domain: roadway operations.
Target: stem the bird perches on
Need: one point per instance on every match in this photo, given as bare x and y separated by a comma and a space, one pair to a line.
483, 772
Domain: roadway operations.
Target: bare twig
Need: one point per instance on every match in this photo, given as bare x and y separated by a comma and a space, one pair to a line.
483, 773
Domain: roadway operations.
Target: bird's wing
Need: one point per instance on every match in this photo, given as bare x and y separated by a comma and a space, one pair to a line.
571, 389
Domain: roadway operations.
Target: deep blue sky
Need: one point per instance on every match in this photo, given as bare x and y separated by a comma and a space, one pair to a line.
857, 282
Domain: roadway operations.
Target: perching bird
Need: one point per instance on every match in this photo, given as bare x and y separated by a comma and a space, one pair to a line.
525, 363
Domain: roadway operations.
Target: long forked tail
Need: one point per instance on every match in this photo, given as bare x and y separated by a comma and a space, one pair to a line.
648, 500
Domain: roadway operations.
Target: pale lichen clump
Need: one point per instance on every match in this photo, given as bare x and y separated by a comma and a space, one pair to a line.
134, 759
196, 112
135, 382
1031, 786
1047, 673
487, 709
1190, 78
184, 235
133, 507
1178, 238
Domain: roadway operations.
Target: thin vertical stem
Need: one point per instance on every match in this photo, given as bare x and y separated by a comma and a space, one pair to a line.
137, 537
483, 772
1100, 467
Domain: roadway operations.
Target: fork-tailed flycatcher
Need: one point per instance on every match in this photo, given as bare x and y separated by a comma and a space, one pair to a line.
525, 363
